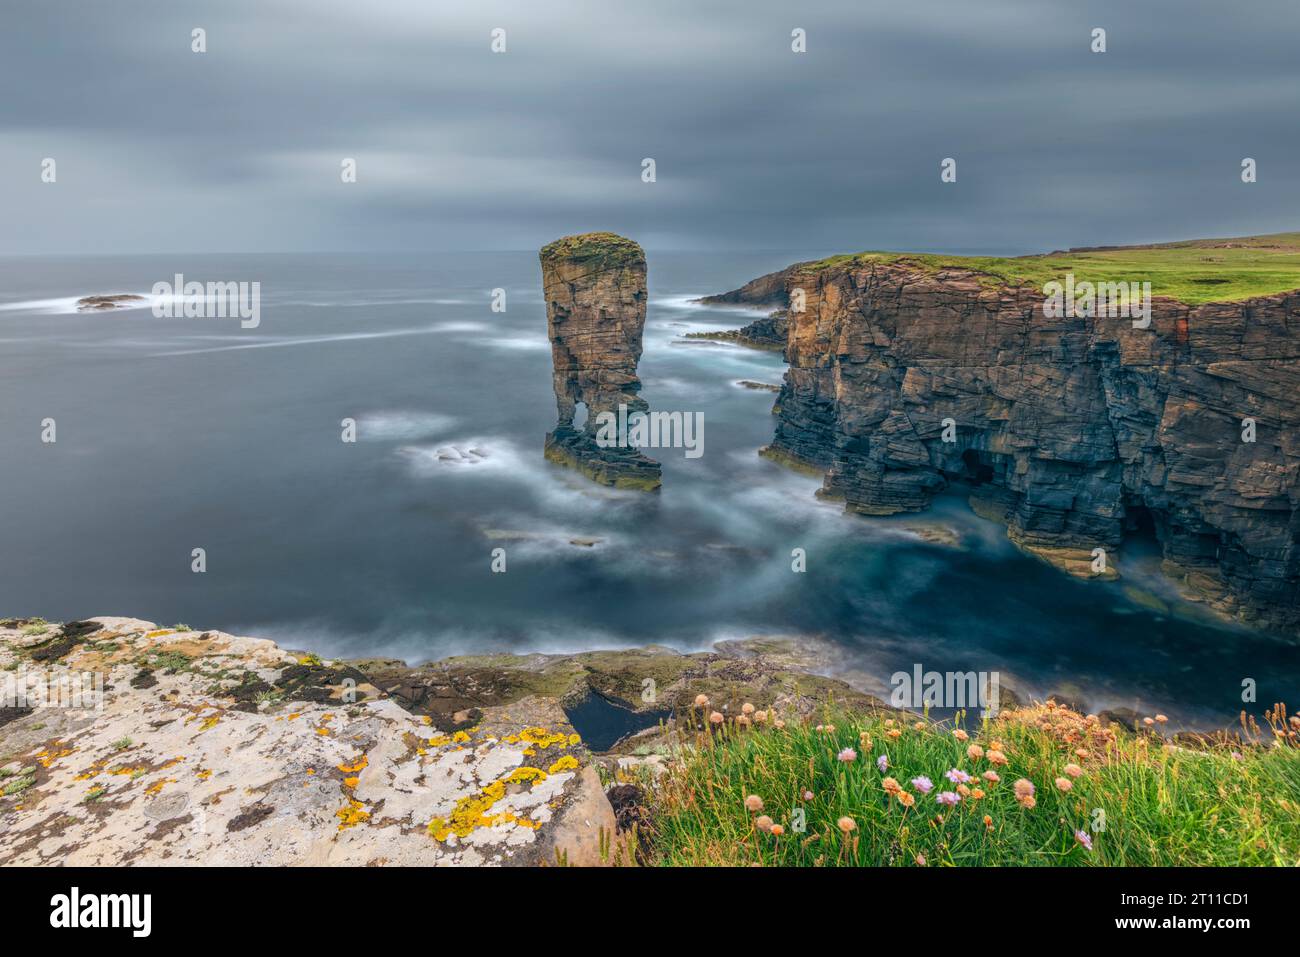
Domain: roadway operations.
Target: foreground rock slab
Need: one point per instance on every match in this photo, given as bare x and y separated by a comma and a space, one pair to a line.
206, 748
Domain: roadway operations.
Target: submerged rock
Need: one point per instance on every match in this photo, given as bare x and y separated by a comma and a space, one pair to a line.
595, 289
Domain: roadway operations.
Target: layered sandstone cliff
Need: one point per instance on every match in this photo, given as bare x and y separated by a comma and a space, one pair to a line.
595, 288
1077, 433
768, 332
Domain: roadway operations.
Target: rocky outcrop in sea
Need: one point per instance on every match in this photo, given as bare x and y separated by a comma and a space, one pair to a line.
595, 289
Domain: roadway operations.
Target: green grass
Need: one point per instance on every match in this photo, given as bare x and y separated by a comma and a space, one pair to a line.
1194, 272
602, 250
18, 785
1160, 806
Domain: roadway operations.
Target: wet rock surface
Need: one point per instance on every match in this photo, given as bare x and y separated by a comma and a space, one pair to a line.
650, 685
595, 290
1076, 433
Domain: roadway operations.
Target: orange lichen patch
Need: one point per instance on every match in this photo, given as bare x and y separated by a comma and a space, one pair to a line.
351, 782
47, 756
438, 740
92, 771
541, 737
359, 764
352, 814
172, 763
129, 769
566, 763
324, 732
202, 773
294, 716
157, 786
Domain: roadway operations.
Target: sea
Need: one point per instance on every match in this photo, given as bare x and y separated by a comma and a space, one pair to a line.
177, 434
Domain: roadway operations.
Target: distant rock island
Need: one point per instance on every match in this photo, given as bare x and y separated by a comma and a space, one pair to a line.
1076, 432
595, 289
106, 303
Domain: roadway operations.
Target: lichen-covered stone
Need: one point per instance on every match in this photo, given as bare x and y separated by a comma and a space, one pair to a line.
237, 752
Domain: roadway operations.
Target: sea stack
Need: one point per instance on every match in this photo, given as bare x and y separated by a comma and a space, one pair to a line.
595, 288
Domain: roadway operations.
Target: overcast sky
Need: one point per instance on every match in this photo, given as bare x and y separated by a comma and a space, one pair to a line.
757, 147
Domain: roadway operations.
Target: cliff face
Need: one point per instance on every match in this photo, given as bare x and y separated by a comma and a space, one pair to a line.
595, 288
769, 290
1076, 432
769, 332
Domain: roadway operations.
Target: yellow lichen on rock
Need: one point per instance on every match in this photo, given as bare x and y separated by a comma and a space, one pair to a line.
471, 812
541, 737
566, 763
352, 814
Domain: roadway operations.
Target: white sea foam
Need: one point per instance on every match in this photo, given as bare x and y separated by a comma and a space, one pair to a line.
689, 304
397, 425
462, 326
464, 456
529, 342
67, 305
264, 343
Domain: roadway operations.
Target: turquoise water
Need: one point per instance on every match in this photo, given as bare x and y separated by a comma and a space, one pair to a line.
182, 433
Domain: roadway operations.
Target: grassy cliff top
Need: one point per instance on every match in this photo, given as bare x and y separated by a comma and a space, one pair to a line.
608, 248
1040, 785
1195, 271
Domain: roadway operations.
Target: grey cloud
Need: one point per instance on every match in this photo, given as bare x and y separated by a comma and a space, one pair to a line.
756, 147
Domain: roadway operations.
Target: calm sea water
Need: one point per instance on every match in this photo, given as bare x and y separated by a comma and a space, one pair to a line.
182, 433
